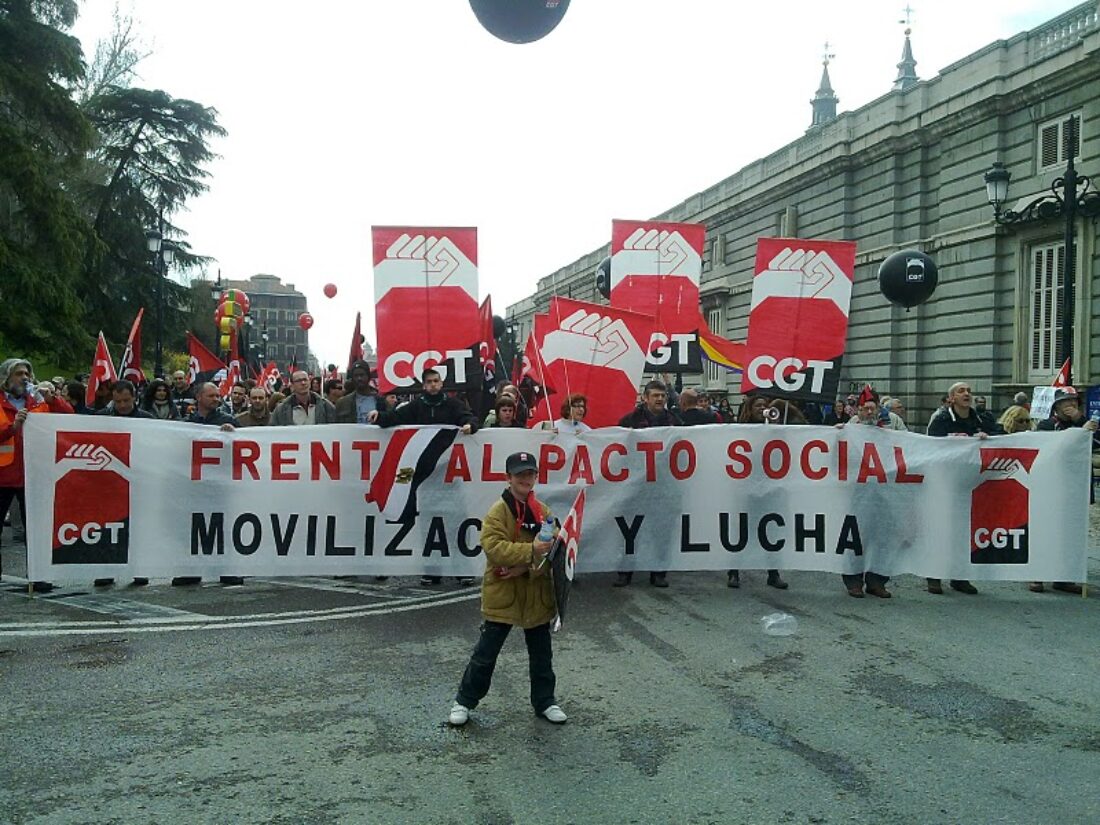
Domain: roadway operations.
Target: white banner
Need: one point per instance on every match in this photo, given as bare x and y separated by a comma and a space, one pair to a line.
158, 499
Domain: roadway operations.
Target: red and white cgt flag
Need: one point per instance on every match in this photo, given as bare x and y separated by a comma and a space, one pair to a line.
563, 556
409, 460
129, 367
426, 310
103, 370
594, 350
656, 267
268, 376
798, 317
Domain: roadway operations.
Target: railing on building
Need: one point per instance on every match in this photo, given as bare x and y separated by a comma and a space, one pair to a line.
1062, 32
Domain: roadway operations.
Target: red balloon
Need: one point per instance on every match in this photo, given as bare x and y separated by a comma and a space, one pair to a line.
305, 320
330, 290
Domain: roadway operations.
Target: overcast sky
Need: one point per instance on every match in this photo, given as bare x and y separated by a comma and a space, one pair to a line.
342, 115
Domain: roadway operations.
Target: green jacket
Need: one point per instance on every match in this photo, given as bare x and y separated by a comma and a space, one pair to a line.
524, 601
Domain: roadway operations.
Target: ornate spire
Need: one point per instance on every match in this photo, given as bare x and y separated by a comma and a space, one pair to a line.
907, 68
824, 102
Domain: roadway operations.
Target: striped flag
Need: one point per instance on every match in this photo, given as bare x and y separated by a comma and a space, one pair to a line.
409, 460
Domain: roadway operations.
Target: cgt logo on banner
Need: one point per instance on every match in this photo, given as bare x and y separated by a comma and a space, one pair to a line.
999, 507
91, 507
798, 318
426, 309
655, 270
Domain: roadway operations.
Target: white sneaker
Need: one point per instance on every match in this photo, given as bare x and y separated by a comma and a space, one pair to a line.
460, 715
553, 714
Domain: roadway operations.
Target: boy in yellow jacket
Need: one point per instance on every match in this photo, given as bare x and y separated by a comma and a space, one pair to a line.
516, 591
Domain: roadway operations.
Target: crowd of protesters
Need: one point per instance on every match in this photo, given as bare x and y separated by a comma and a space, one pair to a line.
307, 400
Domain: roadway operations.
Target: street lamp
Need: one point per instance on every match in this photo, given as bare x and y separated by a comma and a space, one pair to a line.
1069, 195
163, 253
216, 288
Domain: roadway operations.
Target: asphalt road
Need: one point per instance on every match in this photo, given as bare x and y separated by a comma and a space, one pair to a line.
325, 701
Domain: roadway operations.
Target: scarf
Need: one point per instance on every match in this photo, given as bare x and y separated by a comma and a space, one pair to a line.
528, 514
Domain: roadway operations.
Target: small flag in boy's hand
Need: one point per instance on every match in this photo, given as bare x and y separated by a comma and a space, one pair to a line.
563, 557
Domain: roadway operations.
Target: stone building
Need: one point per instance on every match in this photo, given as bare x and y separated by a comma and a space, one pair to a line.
905, 171
275, 308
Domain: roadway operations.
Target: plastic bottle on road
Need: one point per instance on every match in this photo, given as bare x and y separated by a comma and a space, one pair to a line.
779, 624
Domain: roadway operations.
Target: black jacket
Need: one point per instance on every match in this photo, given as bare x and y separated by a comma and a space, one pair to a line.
136, 412
216, 418
945, 422
427, 409
640, 418
694, 416
1055, 424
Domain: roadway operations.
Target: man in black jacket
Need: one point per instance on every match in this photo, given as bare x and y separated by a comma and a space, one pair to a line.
123, 403
431, 407
691, 414
652, 412
958, 417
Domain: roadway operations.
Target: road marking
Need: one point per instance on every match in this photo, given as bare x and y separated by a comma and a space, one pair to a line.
329, 586
111, 605
165, 624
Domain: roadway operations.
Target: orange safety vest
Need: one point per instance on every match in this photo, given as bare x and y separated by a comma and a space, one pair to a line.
7, 448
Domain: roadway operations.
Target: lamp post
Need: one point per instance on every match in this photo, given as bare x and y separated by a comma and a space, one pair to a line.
1070, 194
164, 253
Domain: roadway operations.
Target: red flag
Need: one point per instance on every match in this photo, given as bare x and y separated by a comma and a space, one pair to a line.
594, 350
203, 364
233, 370
356, 352
656, 267
531, 365
867, 394
1062, 378
268, 376
130, 365
425, 304
103, 370
798, 317
488, 342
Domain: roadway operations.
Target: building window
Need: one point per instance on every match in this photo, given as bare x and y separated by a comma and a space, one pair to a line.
713, 371
1047, 267
1051, 151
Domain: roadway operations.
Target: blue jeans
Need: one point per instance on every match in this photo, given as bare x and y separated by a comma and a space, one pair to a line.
479, 672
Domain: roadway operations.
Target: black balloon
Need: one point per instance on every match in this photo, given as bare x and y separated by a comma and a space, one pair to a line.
499, 327
603, 278
519, 21
332, 368
908, 278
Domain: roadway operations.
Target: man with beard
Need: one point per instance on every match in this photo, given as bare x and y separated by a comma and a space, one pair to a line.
257, 414
18, 399
356, 406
